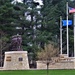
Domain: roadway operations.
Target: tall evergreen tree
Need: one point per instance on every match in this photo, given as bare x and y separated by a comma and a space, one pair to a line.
6, 16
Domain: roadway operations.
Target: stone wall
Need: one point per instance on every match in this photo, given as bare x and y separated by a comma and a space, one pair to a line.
16, 60
61, 64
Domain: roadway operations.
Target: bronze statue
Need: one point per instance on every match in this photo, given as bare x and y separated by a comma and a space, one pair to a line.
16, 41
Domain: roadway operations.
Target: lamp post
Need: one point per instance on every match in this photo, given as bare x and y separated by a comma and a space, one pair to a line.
60, 35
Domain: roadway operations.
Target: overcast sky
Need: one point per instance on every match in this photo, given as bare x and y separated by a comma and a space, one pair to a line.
40, 1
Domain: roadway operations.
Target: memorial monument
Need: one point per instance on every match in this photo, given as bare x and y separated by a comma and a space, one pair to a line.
16, 58
16, 42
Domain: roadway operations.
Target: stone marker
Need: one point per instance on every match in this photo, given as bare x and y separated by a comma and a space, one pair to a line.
16, 60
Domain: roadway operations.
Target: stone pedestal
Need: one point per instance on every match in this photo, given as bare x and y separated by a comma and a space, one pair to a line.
63, 55
16, 60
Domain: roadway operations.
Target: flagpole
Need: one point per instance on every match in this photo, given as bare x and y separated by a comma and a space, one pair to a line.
67, 29
74, 34
60, 35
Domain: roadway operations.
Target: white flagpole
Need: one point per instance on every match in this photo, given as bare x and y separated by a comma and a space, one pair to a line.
74, 34
60, 35
67, 29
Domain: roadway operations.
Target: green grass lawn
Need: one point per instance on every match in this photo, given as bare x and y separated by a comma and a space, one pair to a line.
38, 72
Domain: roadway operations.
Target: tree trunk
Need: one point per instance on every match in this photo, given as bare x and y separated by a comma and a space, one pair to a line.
47, 67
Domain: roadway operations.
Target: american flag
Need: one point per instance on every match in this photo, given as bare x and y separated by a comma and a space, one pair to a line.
71, 10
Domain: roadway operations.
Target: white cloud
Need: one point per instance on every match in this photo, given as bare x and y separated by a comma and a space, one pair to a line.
40, 1
19, 0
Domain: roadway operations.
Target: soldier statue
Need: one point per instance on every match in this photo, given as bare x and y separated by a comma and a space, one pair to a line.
16, 41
